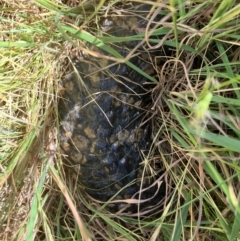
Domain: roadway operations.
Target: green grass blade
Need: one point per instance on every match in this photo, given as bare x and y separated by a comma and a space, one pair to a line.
83, 35
184, 122
225, 100
124, 232
180, 222
228, 143
222, 9
229, 70
18, 44
235, 232
36, 203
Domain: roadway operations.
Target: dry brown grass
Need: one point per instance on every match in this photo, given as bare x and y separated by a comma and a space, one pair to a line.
40, 199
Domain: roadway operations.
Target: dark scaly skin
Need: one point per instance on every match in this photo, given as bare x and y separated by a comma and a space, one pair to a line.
101, 119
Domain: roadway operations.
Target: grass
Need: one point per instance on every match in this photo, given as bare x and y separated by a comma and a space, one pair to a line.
197, 120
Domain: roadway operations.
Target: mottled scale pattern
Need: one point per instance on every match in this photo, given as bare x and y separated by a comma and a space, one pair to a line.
102, 111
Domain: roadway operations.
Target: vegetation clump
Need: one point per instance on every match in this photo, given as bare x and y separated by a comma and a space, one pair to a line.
194, 116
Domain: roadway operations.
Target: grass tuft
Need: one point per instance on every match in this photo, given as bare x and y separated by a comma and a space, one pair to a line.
196, 116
